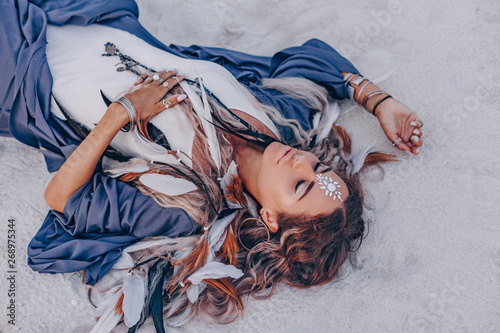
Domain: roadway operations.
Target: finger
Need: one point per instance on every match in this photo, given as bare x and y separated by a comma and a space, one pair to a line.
140, 79
405, 147
414, 144
174, 80
398, 143
418, 132
171, 101
157, 80
416, 141
148, 80
165, 75
417, 123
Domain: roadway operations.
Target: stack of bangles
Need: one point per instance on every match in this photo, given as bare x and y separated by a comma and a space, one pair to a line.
357, 82
127, 104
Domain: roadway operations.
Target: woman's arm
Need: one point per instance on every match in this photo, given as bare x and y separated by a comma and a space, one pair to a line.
79, 167
399, 123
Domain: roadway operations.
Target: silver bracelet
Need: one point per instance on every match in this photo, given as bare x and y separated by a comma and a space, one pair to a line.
348, 77
370, 95
361, 90
127, 104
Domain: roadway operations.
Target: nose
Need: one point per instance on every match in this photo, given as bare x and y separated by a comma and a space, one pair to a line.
299, 161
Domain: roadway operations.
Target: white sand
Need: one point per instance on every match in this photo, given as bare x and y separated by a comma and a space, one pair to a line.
431, 261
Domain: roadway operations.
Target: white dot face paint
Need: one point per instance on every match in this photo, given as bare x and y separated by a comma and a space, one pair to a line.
330, 187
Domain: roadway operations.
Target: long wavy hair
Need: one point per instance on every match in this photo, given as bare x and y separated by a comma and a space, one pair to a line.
303, 252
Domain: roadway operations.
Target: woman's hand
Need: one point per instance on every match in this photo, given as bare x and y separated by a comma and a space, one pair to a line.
148, 94
400, 124
148, 100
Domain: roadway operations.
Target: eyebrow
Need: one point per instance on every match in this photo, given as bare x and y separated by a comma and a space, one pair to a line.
311, 184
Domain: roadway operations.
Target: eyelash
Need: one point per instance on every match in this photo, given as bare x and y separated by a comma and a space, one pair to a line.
300, 182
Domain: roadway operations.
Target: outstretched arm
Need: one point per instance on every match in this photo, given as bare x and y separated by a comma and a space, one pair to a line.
401, 126
80, 166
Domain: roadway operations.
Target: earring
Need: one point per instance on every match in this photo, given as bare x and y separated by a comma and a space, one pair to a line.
254, 219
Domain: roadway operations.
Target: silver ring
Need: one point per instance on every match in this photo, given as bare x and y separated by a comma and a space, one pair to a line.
157, 77
166, 85
175, 78
167, 103
398, 139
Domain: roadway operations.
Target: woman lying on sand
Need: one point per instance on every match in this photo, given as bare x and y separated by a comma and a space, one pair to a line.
234, 160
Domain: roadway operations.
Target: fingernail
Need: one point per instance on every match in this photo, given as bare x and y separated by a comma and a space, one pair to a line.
413, 123
416, 131
182, 97
416, 139
417, 151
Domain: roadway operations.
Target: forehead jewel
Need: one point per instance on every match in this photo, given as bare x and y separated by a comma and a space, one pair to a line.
331, 188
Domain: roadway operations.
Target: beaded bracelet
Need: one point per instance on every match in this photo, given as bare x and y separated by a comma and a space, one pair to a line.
129, 107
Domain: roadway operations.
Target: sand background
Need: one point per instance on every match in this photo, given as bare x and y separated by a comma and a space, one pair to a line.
431, 260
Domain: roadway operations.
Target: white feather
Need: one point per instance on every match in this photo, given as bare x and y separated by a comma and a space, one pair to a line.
110, 317
104, 301
215, 270
167, 184
194, 291
202, 108
115, 169
134, 293
213, 143
211, 270
227, 179
217, 229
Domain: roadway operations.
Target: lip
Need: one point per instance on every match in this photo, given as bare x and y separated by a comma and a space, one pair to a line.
283, 152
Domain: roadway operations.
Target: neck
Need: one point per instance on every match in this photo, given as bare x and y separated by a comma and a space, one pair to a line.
248, 158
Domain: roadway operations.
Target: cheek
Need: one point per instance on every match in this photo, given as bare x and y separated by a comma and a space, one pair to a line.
272, 188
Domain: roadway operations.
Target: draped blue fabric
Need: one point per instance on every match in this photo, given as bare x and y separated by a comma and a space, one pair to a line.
99, 220
106, 215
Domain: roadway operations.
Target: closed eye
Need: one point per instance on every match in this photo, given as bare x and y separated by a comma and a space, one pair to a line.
300, 182
319, 165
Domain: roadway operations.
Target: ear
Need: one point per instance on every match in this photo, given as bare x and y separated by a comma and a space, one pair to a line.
270, 219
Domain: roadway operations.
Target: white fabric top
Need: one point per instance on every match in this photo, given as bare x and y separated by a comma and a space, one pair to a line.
79, 70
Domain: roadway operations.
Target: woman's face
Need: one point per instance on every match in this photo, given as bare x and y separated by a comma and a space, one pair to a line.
294, 182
